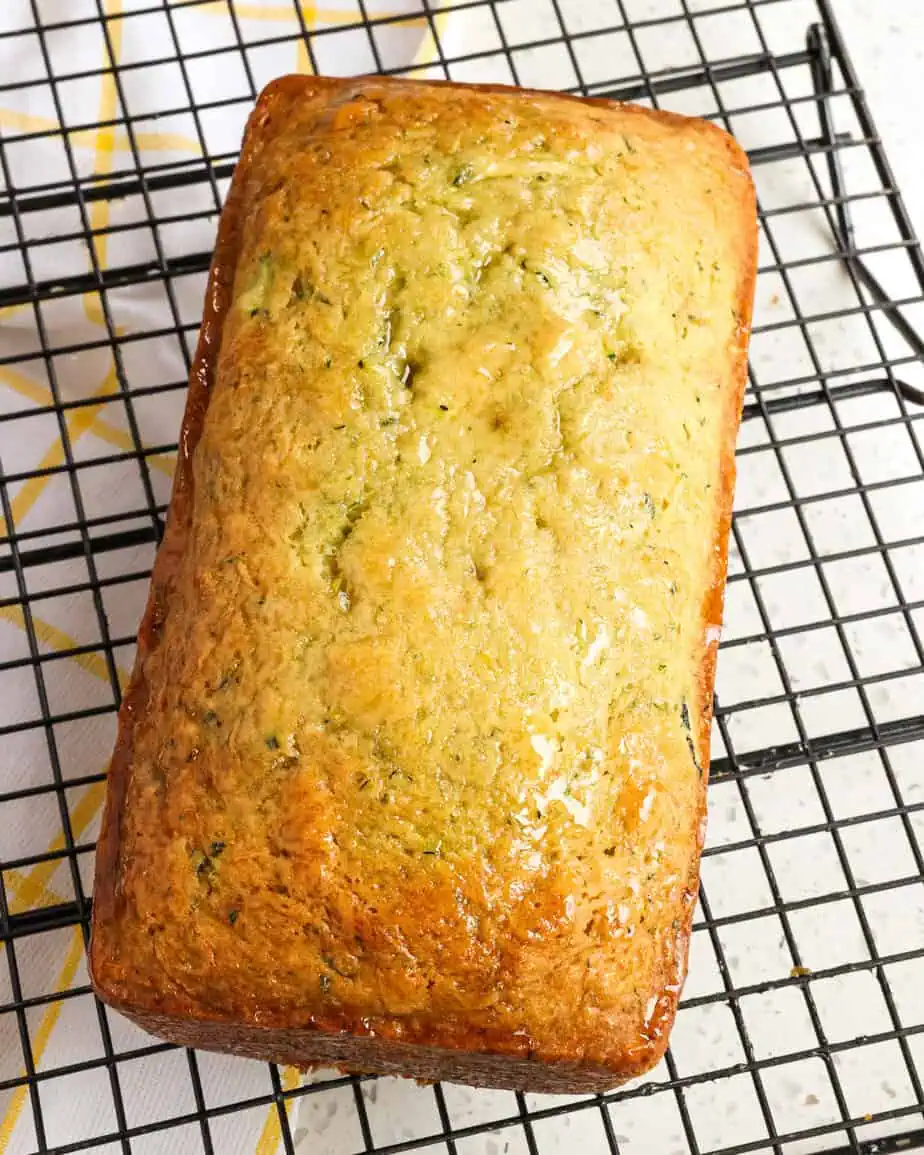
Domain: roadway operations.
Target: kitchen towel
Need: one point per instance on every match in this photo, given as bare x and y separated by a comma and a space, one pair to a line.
103, 90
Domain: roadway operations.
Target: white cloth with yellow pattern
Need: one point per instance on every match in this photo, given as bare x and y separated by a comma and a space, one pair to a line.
62, 76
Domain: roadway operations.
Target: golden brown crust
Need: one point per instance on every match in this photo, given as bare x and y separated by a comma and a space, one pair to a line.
217, 299
457, 1050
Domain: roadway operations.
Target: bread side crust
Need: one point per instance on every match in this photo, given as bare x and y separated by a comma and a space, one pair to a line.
381, 1047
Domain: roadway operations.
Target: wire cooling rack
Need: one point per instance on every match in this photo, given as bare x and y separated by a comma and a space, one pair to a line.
801, 1023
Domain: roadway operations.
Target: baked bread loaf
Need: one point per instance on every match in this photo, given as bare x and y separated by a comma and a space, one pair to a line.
411, 772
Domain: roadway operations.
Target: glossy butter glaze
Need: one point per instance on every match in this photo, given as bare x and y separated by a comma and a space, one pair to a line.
416, 746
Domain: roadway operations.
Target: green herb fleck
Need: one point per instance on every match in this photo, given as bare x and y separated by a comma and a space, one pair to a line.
228, 678
463, 175
232, 917
354, 512
201, 863
216, 848
303, 290
253, 299
272, 742
688, 727
210, 718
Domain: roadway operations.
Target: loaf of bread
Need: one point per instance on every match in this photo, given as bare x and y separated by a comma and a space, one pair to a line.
411, 772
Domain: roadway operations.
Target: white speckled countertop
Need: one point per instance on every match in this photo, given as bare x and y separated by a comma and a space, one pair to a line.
886, 42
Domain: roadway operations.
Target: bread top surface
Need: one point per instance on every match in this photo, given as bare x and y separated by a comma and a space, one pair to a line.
417, 741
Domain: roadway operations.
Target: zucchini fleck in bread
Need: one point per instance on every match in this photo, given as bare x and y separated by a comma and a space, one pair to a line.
411, 773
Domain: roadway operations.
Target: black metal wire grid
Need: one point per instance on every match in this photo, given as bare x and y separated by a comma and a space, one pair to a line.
800, 1027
